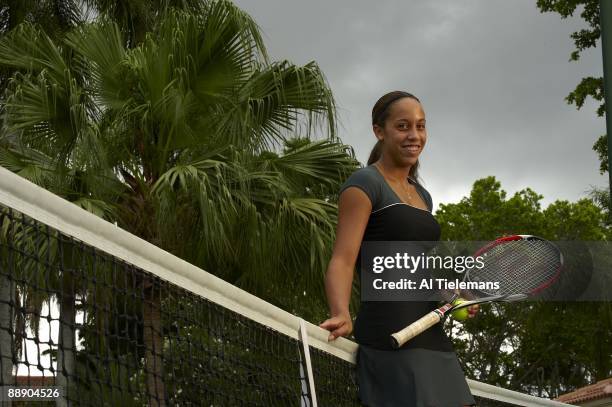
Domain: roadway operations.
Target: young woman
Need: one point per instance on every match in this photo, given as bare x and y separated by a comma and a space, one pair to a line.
385, 202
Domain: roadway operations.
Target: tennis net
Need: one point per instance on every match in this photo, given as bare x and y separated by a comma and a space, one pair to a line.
110, 319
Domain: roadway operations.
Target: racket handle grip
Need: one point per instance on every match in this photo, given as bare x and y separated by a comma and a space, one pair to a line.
401, 337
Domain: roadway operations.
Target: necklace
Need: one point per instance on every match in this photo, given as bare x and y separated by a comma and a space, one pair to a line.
402, 184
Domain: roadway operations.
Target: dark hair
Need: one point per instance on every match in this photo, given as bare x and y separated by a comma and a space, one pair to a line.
380, 113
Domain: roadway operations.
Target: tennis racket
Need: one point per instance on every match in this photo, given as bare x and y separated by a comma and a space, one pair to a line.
524, 266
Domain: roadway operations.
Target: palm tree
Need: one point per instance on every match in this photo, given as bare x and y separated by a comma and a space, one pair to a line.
137, 17
189, 142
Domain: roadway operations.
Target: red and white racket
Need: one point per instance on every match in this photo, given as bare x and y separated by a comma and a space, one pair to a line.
523, 265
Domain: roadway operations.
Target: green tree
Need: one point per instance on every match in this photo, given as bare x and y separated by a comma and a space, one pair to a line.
543, 348
187, 140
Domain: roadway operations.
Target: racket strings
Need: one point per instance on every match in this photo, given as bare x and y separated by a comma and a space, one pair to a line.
520, 266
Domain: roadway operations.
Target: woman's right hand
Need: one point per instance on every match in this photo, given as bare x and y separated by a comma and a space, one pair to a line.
340, 325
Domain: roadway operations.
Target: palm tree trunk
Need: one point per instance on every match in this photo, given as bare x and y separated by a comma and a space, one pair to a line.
66, 343
152, 336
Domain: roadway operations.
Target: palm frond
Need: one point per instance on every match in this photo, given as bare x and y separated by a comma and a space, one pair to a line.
314, 165
102, 51
31, 49
271, 102
28, 163
44, 111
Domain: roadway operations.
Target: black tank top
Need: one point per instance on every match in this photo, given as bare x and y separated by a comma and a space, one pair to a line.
393, 220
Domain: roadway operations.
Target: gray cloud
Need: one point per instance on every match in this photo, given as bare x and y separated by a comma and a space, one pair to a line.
492, 76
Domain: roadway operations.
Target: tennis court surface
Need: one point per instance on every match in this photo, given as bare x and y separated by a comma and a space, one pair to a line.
126, 323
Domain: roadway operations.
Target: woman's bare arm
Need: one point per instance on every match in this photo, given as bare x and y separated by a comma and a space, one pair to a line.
354, 208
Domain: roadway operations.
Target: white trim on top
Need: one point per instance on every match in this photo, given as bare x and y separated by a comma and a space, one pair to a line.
401, 203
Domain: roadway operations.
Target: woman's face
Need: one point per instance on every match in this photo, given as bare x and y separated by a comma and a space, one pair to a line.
404, 134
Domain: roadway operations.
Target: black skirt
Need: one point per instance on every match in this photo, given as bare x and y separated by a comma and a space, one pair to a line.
411, 378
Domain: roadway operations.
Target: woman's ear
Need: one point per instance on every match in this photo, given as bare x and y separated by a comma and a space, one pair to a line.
378, 132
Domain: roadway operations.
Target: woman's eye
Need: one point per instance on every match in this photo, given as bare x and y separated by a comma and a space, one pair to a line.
406, 126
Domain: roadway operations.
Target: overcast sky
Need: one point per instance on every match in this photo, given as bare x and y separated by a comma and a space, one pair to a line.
492, 76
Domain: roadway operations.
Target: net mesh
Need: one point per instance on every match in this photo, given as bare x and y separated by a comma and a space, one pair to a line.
110, 333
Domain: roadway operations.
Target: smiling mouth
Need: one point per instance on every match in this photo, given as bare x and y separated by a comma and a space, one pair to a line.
411, 147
